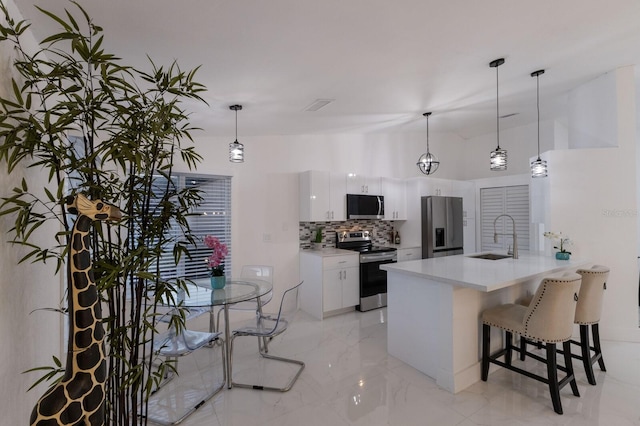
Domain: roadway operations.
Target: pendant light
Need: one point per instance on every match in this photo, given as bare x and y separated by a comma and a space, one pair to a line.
428, 163
499, 156
538, 167
236, 149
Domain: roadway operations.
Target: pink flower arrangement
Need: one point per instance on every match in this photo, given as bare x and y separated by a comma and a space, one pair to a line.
216, 260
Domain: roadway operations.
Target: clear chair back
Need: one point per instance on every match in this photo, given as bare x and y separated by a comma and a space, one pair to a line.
263, 272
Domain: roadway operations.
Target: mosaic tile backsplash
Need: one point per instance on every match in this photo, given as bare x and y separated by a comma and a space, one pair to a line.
380, 231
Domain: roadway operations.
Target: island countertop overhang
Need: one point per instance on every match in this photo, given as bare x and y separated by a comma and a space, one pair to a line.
482, 274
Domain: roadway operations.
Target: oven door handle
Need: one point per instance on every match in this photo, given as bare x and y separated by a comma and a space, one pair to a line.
378, 257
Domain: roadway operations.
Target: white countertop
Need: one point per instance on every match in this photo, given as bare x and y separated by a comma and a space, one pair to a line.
329, 251
481, 274
402, 246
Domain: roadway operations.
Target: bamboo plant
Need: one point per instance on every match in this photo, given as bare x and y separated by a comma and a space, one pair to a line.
112, 132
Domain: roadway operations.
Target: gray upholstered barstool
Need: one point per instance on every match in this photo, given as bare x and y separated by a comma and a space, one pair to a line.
588, 311
548, 319
594, 283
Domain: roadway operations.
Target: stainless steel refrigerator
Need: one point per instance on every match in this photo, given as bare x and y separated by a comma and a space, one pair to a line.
442, 233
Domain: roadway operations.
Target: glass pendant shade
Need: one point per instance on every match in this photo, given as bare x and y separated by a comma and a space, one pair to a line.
236, 152
539, 168
428, 163
498, 159
236, 149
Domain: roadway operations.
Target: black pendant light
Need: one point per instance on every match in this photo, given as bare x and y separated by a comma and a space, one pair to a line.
236, 149
538, 167
428, 163
499, 155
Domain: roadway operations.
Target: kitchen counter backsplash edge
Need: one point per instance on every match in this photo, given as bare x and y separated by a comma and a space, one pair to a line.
379, 229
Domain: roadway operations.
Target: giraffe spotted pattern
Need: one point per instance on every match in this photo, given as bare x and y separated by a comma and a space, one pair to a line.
79, 397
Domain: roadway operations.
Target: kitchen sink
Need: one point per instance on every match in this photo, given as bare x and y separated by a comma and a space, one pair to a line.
491, 256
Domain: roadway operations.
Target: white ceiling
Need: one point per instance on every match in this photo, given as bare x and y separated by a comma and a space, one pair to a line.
385, 62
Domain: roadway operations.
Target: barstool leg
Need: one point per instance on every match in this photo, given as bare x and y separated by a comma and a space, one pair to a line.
523, 348
486, 344
595, 332
568, 362
509, 346
586, 353
552, 375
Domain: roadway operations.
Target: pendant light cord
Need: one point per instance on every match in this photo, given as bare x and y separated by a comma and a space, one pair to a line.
497, 107
427, 134
538, 108
236, 126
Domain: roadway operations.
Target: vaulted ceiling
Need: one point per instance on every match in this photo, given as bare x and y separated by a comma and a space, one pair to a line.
382, 62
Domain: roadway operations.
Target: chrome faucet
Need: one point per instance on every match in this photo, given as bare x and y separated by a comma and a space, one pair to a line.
515, 237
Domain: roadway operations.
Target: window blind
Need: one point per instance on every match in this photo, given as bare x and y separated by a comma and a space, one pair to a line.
511, 200
211, 217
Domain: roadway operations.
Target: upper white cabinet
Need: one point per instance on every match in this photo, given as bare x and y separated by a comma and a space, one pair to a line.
435, 186
466, 190
322, 196
395, 199
357, 184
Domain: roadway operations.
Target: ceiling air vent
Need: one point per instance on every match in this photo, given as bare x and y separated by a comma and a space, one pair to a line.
318, 103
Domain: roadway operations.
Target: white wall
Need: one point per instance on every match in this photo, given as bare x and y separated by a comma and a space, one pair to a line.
593, 113
593, 200
29, 335
521, 143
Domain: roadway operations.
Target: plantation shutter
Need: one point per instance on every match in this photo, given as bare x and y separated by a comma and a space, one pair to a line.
212, 217
511, 200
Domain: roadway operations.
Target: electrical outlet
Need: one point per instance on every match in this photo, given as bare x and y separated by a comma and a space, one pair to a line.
266, 238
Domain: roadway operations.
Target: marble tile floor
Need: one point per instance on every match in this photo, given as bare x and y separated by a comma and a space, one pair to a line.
350, 379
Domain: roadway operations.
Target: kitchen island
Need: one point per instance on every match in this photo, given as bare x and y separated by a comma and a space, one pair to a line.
434, 308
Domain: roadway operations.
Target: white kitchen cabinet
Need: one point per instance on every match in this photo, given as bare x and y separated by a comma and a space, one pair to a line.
413, 253
466, 190
331, 283
395, 199
357, 184
469, 235
322, 196
435, 186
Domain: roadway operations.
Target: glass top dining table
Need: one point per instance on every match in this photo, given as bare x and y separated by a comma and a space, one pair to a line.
200, 294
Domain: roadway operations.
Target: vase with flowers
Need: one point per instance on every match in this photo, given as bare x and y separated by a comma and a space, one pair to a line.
561, 244
215, 261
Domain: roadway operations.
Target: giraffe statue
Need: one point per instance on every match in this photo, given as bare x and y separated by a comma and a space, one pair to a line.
78, 398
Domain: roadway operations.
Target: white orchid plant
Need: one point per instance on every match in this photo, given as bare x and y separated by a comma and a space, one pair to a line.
562, 241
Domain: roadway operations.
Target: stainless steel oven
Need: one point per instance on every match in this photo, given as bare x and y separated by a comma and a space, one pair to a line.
373, 281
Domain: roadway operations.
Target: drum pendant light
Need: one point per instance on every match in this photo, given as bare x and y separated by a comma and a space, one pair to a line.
499, 156
236, 149
428, 163
538, 167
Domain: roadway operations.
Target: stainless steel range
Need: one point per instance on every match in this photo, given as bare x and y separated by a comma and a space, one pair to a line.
373, 281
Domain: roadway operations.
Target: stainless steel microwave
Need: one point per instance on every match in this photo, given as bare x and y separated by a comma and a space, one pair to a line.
365, 206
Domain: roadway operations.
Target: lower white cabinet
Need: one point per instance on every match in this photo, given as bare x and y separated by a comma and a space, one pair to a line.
331, 283
413, 253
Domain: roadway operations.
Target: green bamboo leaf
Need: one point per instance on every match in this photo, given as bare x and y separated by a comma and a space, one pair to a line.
59, 37
55, 18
